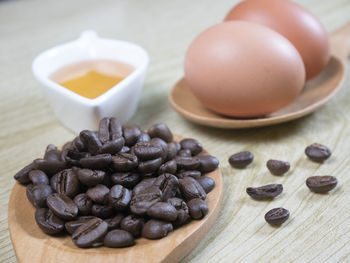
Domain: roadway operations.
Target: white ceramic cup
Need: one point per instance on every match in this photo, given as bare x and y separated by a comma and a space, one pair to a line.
76, 112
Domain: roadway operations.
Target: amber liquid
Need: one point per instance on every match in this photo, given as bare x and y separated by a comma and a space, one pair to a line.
91, 78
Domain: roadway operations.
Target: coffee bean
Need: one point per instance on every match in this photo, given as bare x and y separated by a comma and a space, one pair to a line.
72, 156
162, 210
184, 153
207, 163
98, 194
71, 226
207, 183
62, 206
49, 148
155, 229
65, 182
118, 238
37, 194
191, 189
125, 149
119, 197
48, 166
132, 224
102, 211
193, 145
192, 173
172, 150
157, 142
161, 131
321, 184
277, 216
38, 177
143, 185
79, 145
97, 162
113, 147
241, 159
91, 141
90, 233
265, 192
109, 129
124, 162
277, 167
186, 163
168, 184
318, 152
182, 211
168, 167
145, 199
150, 166
48, 222
131, 134
128, 179
114, 222
146, 151
198, 208
90, 177
84, 204
144, 137
22, 175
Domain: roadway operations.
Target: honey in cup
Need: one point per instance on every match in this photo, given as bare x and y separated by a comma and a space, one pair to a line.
91, 78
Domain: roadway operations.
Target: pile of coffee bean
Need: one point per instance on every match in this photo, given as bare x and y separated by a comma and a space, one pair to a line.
119, 183
319, 184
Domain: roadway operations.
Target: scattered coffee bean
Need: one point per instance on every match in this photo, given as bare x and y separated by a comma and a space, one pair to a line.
90, 233
277, 167
38, 177
191, 144
48, 222
160, 131
155, 229
37, 194
277, 216
321, 184
62, 206
265, 192
207, 183
207, 163
241, 159
22, 175
109, 129
198, 208
118, 238
191, 189
162, 210
318, 152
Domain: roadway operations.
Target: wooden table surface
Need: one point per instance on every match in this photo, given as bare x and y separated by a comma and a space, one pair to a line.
319, 225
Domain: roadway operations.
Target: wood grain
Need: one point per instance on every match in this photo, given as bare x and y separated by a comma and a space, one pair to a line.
319, 226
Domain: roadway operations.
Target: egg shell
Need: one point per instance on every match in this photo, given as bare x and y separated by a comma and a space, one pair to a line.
243, 69
295, 23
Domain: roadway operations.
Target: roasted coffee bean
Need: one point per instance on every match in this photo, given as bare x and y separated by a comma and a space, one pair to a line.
172, 150
198, 208
97, 162
90, 233
102, 211
191, 189
241, 159
143, 185
207, 183
208, 163
91, 141
192, 173
65, 182
22, 175
109, 129
125, 149
48, 166
119, 197
37, 194
318, 152
161, 144
62, 206
53, 155
114, 222
321, 184
168, 167
161, 131
193, 145
131, 134
84, 204
90, 177
127, 180
38, 177
145, 199
265, 192
113, 147
184, 153
132, 224
79, 145
277, 167
168, 184
182, 211
48, 222
49, 148
146, 151
98, 194
118, 238
124, 162
162, 210
72, 156
186, 163
71, 226
149, 166
155, 229
277, 216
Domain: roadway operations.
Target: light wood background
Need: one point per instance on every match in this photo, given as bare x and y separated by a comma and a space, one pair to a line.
319, 226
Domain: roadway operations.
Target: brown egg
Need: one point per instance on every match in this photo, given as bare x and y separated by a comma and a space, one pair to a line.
295, 23
243, 69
